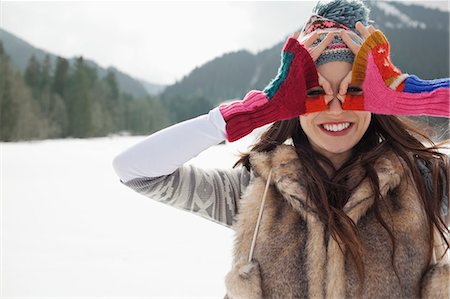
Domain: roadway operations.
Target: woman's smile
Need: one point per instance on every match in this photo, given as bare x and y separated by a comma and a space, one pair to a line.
336, 128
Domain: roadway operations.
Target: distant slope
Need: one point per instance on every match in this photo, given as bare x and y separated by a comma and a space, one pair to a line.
419, 39
20, 52
152, 89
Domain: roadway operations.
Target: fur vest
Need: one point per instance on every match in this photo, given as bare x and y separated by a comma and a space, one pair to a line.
295, 257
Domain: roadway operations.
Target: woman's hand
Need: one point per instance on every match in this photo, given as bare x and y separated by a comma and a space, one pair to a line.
319, 96
375, 42
385, 89
308, 40
285, 97
374, 47
365, 32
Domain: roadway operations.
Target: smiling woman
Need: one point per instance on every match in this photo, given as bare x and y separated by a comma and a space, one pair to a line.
335, 131
339, 197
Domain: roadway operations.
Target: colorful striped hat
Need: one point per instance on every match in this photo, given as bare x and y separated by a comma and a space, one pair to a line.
333, 15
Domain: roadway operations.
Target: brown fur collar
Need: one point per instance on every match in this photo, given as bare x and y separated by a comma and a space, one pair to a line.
294, 259
287, 176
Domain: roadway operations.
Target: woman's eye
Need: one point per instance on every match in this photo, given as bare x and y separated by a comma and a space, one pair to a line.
315, 93
354, 90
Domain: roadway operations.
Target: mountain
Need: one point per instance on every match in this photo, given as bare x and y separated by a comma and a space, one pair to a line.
402, 15
419, 39
20, 52
152, 89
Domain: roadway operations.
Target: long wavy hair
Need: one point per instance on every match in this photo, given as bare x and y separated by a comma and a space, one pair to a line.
406, 138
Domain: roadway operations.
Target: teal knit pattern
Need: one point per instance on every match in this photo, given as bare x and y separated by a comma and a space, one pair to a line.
271, 89
346, 12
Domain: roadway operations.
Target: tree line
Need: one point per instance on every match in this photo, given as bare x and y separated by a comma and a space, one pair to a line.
70, 101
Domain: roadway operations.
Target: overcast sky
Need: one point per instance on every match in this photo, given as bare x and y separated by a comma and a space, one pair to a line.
156, 41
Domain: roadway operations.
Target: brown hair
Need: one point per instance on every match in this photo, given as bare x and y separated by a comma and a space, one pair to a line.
330, 194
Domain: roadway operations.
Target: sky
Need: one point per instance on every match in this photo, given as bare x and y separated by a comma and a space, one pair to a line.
158, 41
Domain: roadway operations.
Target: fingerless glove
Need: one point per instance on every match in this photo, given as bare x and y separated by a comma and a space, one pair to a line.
283, 98
386, 90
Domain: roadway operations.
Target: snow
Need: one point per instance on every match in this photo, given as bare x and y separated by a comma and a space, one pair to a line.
69, 228
405, 19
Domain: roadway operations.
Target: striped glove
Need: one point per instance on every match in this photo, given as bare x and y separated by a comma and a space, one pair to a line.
284, 97
386, 90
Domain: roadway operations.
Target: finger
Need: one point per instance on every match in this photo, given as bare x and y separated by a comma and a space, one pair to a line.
350, 42
325, 85
309, 39
355, 36
371, 29
341, 98
363, 30
315, 53
296, 34
302, 34
344, 84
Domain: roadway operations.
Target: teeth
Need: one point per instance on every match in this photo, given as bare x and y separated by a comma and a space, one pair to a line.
336, 127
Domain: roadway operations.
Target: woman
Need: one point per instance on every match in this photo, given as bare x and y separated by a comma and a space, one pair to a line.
339, 197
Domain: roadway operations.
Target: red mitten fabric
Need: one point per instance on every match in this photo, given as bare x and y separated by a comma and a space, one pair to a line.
283, 98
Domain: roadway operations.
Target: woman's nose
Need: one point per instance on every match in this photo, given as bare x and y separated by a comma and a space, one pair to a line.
335, 106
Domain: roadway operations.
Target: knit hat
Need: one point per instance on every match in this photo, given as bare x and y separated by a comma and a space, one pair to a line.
331, 16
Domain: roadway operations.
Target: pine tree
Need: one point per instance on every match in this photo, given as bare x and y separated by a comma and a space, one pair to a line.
44, 96
32, 75
8, 107
60, 77
79, 102
20, 117
112, 84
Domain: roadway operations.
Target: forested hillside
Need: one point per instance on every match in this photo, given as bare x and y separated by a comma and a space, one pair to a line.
69, 102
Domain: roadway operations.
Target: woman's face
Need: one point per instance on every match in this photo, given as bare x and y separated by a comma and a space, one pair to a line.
334, 132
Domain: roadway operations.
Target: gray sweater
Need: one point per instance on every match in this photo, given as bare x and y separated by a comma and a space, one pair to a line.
155, 168
213, 194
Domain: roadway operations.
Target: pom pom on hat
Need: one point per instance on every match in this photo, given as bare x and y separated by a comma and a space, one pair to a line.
345, 12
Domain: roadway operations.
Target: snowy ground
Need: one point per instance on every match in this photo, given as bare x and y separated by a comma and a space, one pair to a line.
70, 229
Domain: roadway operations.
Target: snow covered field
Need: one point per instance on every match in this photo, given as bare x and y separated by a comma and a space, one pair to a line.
71, 229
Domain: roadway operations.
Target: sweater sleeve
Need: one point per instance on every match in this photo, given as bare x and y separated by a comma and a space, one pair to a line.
155, 168
163, 152
210, 193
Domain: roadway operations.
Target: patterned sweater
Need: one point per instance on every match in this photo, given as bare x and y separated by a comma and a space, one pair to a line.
211, 193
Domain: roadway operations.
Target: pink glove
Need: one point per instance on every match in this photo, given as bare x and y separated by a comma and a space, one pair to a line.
284, 98
382, 84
